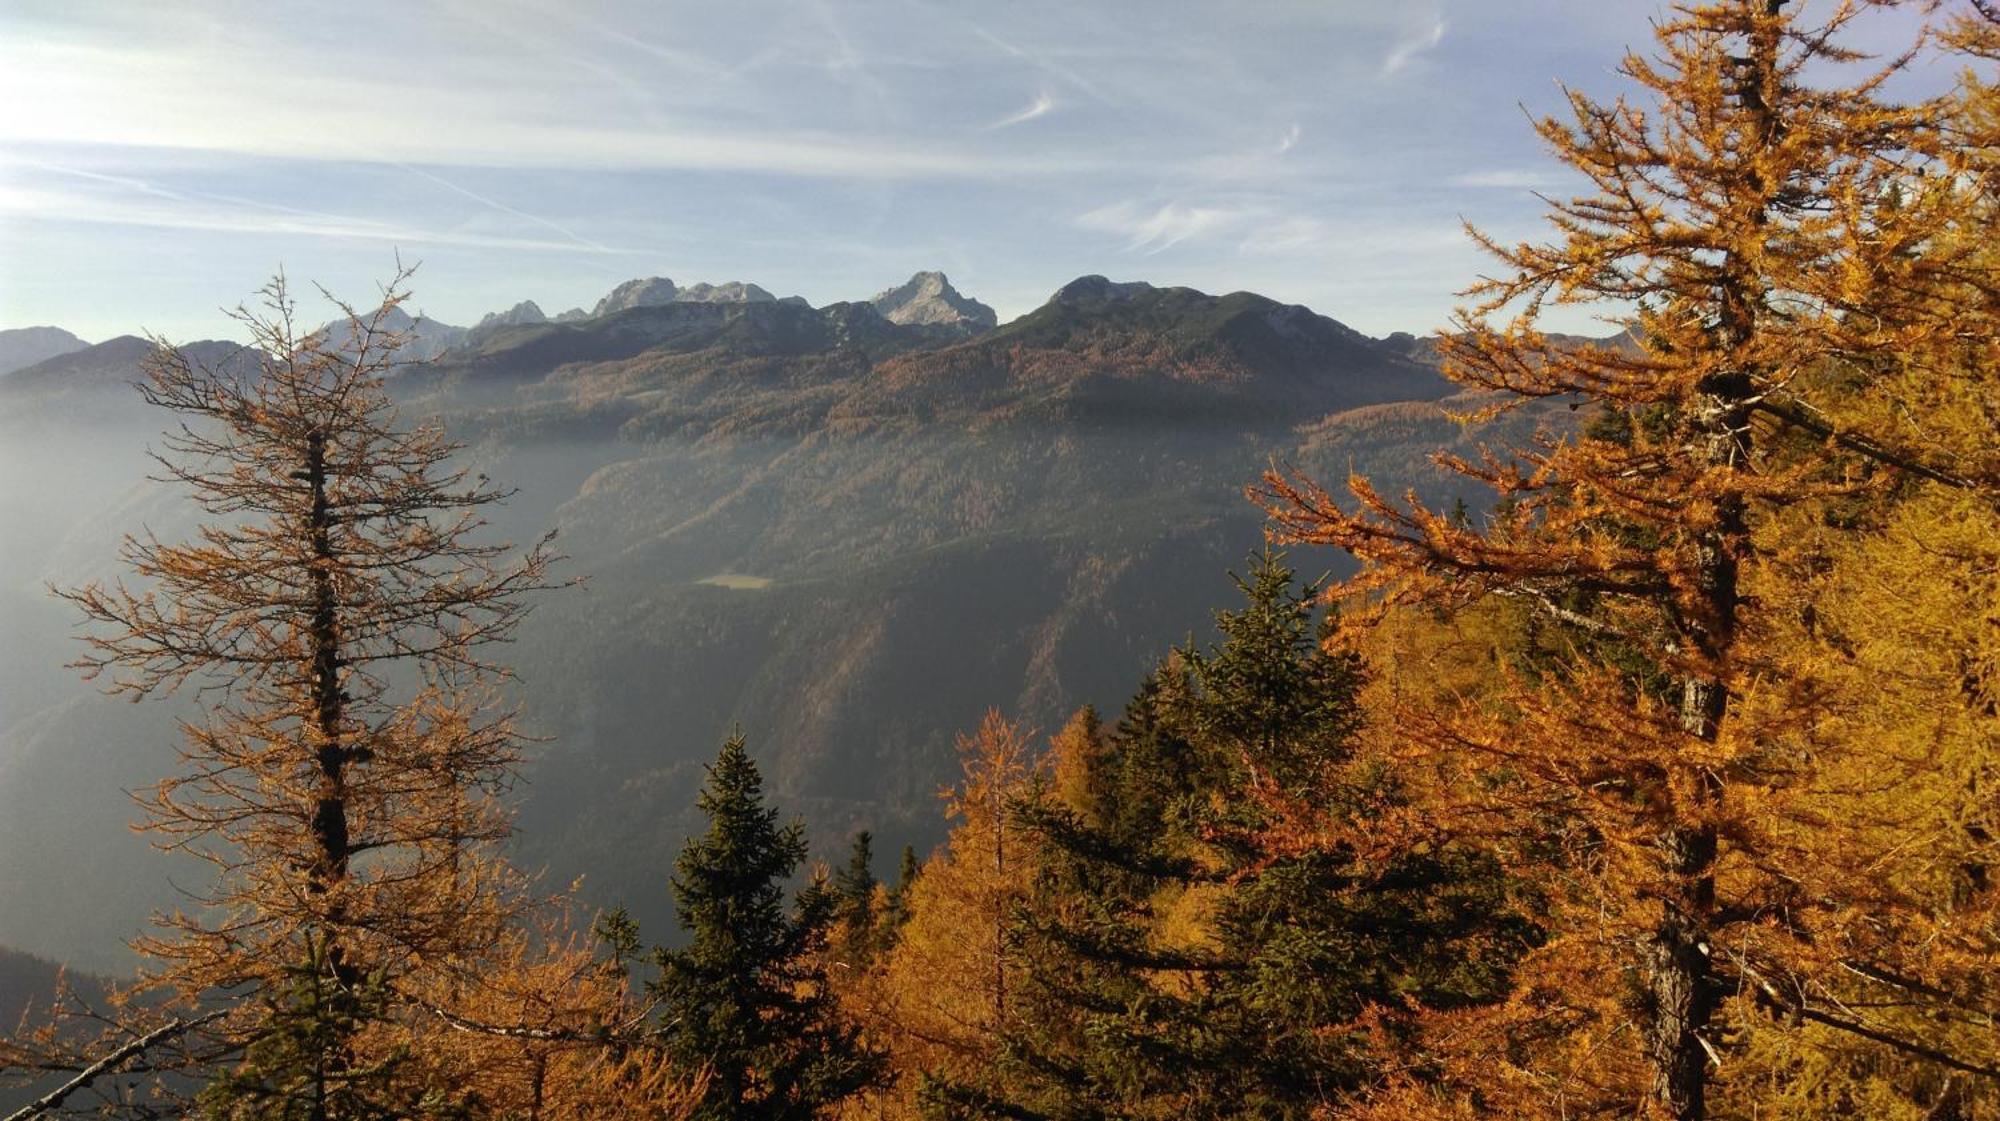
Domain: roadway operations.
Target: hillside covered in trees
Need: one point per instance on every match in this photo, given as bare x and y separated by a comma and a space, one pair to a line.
1541, 728
779, 524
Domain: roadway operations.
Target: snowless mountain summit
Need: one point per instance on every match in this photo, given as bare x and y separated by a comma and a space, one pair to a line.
928, 299
653, 291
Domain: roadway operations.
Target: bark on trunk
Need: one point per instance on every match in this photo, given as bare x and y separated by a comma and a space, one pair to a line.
331, 840
1681, 971
329, 824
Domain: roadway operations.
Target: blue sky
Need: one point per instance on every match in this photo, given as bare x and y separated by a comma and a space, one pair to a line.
157, 160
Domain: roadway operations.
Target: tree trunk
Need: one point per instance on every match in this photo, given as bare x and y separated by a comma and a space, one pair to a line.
329, 821
1681, 970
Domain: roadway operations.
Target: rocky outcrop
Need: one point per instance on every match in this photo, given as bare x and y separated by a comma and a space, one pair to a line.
653, 291
928, 300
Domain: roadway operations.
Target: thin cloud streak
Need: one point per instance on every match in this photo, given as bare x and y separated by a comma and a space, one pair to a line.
1407, 49
61, 96
1521, 179
503, 208
1159, 228
1040, 107
1264, 229
56, 206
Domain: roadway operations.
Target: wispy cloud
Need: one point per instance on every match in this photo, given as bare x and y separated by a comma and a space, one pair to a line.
1520, 179
1150, 229
1043, 61
800, 143
1043, 104
143, 98
168, 211
1267, 228
1407, 48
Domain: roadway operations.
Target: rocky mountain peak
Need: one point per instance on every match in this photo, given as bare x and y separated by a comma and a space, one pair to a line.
733, 292
928, 299
653, 291
648, 291
525, 312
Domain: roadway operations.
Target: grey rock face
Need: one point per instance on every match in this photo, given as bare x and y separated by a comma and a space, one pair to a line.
654, 291
733, 292
525, 312
646, 292
928, 299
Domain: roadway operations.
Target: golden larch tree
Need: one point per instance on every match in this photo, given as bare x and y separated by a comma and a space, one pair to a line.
1770, 226
938, 1001
331, 612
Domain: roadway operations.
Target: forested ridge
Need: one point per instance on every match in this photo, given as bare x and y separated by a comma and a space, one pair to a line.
1641, 768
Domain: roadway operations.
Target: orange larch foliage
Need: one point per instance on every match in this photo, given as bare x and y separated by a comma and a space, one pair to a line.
1777, 232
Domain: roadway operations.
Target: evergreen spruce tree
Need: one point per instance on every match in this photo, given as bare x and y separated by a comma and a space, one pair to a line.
897, 910
746, 998
1239, 917
855, 885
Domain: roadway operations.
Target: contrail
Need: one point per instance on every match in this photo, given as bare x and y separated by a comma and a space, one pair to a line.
505, 209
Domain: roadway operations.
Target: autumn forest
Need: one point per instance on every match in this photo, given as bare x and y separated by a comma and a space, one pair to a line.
1652, 774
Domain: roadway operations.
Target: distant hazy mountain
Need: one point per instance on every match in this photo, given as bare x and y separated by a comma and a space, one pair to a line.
848, 533
527, 311
424, 338
928, 299
524, 314
25, 346
104, 374
926, 302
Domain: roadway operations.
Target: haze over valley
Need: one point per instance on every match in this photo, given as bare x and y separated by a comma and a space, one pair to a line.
848, 529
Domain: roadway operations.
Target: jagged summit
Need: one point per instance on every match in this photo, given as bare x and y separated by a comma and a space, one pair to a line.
928, 299
644, 292
653, 291
733, 292
527, 311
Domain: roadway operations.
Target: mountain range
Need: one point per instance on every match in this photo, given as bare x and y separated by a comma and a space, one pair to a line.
846, 529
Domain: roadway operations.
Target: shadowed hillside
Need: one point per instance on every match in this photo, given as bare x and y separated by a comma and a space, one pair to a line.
846, 534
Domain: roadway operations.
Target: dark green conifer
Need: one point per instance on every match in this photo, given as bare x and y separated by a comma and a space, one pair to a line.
855, 886
746, 998
1175, 960
897, 909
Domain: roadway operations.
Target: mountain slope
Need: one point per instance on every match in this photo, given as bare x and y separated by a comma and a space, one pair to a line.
848, 535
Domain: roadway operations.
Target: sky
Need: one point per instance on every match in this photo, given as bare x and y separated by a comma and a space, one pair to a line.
159, 160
